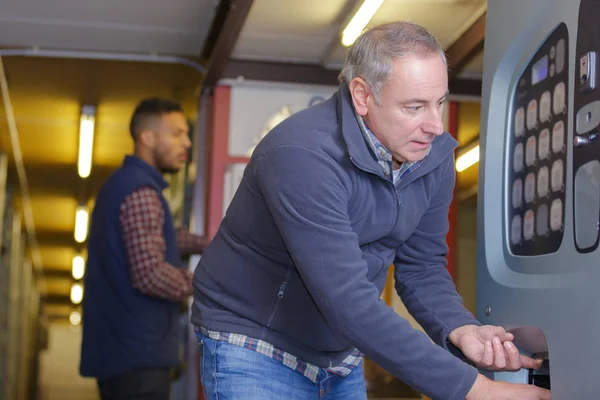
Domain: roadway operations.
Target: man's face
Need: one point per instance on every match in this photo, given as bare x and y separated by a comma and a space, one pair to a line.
171, 142
409, 114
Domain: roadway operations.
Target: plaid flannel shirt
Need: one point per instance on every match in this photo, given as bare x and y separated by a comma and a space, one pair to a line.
260, 346
142, 219
384, 155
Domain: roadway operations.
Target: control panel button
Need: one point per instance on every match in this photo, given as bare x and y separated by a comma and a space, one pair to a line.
515, 230
517, 193
530, 188
557, 176
545, 106
528, 224
556, 217
518, 158
530, 151
558, 105
542, 182
558, 137
544, 144
520, 122
532, 114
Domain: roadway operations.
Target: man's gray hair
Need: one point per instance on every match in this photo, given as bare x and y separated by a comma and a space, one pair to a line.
372, 54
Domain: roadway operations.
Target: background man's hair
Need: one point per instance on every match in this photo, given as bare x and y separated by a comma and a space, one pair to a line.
147, 110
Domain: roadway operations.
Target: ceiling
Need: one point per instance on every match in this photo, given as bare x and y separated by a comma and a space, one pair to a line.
297, 32
141, 26
47, 93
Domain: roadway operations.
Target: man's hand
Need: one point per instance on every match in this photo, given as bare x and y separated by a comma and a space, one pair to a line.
490, 347
485, 389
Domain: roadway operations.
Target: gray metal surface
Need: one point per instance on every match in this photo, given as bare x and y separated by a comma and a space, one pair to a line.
550, 300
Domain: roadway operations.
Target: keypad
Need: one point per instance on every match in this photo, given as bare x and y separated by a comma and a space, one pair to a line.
537, 151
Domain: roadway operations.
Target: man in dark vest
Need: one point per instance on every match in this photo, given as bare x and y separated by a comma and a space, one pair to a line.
134, 283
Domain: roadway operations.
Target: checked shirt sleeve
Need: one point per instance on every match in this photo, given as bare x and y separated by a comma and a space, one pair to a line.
189, 243
142, 219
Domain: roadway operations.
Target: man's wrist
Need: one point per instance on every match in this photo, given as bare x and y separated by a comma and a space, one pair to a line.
456, 334
480, 389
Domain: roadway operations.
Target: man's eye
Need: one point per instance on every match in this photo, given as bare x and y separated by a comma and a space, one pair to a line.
415, 109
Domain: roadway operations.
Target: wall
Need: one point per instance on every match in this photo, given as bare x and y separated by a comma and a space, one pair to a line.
466, 251
468, 131
59, 367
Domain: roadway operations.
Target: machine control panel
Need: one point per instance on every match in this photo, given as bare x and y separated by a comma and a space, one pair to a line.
535, 205
586, 122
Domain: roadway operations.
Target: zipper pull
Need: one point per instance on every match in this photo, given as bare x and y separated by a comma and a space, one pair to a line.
281, 290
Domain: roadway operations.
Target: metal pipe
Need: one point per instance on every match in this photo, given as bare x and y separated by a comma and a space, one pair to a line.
109, 56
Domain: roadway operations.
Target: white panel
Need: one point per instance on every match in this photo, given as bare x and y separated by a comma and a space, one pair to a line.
233, 177
255, 109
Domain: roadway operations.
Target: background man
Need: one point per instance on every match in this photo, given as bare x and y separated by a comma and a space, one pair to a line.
134, 284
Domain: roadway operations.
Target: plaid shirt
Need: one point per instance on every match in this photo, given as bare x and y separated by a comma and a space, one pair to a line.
384, 156
142, 219
260, 346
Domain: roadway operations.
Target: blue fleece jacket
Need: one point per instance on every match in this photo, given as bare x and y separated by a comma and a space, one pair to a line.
301, 257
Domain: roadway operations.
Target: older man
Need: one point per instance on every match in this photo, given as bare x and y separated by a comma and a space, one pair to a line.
287, 296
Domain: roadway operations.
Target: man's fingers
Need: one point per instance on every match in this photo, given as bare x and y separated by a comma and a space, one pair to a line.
502, 334
488, 354
545, 394
528, 362
499, 358
513, 358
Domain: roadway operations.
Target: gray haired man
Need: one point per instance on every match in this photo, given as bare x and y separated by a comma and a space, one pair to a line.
287, 295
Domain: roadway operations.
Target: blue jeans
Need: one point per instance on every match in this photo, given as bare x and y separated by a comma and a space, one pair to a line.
231, 372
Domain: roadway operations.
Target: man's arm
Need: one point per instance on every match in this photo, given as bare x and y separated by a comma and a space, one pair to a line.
307, 194
189, 244
421, 277
142, 219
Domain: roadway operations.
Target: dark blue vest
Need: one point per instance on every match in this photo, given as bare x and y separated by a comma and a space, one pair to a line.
124, 329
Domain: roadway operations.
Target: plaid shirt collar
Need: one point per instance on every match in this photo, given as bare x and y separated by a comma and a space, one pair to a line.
384, 155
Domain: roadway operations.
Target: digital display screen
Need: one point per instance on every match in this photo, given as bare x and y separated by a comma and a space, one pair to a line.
539, 70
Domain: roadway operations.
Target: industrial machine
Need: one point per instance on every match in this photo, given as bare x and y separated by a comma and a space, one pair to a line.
538, 261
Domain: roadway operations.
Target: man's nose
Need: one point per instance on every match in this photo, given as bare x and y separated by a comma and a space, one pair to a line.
434, 123
187, 143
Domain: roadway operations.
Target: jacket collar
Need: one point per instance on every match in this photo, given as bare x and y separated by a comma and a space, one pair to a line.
137, 163
441, 147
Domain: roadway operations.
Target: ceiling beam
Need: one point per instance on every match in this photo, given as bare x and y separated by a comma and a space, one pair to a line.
62, 179
58, 238
222, 37
345, 15
466, 47
58, 274
464, 87
313, 74
280, 72
56, 299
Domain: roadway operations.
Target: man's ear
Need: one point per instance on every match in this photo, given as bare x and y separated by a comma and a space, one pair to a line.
360, 92
146, 138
